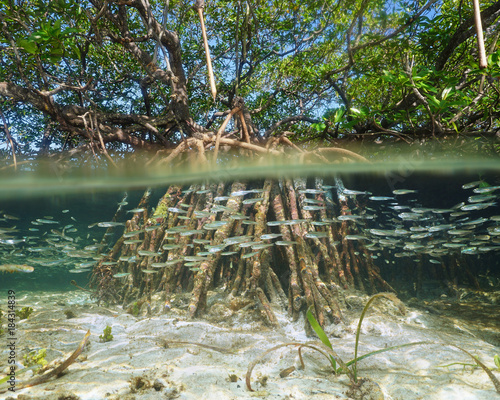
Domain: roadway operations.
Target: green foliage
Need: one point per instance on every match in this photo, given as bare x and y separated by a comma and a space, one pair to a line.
24, 312
313, 59
106, 335
35, 358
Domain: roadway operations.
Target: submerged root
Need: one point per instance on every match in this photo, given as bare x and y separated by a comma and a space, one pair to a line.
263, 241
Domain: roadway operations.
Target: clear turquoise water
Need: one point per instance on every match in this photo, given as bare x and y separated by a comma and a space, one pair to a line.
77, 201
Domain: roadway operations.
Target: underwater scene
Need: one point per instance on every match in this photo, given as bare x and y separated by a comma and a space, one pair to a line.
330, 283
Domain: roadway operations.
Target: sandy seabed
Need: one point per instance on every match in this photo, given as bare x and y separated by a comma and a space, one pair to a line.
144, 360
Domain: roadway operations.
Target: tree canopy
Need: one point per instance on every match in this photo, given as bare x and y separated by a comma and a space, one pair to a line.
130, 74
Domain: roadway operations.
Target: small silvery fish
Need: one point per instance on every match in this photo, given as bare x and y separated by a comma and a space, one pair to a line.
133, 233
409, 216
380, 198
169, 246
311, 235
270, 236
47, 221
320, 223
195, 258
121, 274
480, 198
262, 246
237, 239
216, 248
285, 242
173, 262
356, 237
248, 255
311, 191
487, 189
248, 244
252, 201
16, 268
239, 217
470, 185
215, 225
109, 224
158, 265
12, 242
132, 241
347, 192
219, 208
136, 210
312, 208
192, 232
403, 191
176, 210
199, 241
147, 253
313, 201
477, 206
202, 214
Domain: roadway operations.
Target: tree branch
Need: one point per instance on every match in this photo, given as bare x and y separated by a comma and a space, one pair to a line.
465, 31
290, 120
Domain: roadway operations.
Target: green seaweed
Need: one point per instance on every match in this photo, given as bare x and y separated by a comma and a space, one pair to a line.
390, 296
34, 358
106, 336
324, 338
24, 312
134, 309
353, 371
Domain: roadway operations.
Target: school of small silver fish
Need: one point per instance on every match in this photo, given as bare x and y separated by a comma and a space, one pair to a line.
397, 224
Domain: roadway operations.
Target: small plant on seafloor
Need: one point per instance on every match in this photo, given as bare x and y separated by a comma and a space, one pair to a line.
106, 335
35, 358
358, 386
24, 312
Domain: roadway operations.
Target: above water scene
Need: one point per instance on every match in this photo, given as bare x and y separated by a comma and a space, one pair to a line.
219, 200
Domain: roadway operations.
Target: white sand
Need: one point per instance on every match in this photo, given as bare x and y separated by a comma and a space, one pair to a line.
192, 372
